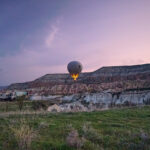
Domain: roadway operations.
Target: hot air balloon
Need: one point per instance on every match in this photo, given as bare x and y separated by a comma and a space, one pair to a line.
74, 68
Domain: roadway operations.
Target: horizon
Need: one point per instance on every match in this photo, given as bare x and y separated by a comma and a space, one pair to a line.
39, 38
80, 73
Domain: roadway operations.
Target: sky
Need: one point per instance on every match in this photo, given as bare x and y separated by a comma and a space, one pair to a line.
39, 37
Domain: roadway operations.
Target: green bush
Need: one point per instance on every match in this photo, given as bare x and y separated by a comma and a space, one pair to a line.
20, 102
40, 104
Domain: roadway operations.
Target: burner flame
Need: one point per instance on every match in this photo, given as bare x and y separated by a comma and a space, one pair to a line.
75, 76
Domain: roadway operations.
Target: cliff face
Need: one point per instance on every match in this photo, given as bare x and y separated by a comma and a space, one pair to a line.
112, 79
100, 101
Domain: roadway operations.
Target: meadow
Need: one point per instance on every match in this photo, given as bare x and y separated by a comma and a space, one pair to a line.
116, 129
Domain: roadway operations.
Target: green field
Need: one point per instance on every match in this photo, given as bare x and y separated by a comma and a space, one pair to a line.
117, 129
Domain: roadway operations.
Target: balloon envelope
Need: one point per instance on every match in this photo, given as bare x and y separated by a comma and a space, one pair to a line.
74, 68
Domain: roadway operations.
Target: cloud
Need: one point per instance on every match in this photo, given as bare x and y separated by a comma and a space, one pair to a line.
54, 45
54, 29
50, 38
33, 61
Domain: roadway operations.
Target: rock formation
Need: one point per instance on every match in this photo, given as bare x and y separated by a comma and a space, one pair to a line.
114, 79
102, 89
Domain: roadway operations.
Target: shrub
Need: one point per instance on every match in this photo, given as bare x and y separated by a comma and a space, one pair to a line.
91, 134
43, 125
24, 135
7, 106
40, 104
20, 102
73, 139
91, 146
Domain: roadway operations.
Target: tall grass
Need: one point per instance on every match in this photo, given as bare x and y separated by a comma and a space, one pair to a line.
120, 129
24, 135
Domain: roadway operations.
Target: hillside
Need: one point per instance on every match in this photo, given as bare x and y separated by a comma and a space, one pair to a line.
3, 87
115, 79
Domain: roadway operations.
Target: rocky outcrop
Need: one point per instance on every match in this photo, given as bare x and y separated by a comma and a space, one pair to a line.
102, 89
54, 108
113, 79
101, 101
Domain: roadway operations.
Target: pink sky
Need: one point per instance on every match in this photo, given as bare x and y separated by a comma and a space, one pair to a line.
96, 33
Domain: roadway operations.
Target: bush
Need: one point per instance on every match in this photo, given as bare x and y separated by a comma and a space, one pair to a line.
7, 106
24, 136
40, 104
73, 139
91, 134
20, 102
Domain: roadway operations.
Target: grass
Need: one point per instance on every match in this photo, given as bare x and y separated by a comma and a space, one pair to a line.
13, 106
118, 129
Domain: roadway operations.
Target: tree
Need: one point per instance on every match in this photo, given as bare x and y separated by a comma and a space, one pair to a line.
20, 102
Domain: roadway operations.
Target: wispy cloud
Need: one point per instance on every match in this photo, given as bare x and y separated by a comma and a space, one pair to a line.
33, 61
50, 38
54, 29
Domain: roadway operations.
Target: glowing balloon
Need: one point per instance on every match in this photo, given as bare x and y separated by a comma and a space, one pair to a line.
74, 68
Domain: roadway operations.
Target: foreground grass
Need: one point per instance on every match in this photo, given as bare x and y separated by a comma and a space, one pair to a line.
120, 129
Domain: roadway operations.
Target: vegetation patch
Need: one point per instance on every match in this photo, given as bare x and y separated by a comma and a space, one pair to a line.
118, 129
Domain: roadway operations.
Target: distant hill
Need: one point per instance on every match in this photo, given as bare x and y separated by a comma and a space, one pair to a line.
114, 79
3, 87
